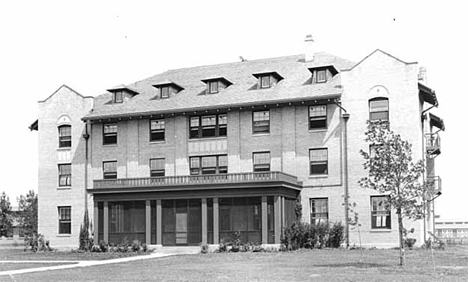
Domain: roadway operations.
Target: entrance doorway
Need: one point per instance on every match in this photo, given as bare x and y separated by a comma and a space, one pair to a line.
181, 222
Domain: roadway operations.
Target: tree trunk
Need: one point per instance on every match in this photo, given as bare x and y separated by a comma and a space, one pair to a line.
400, 229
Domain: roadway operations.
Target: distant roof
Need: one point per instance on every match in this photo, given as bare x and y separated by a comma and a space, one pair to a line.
293, 87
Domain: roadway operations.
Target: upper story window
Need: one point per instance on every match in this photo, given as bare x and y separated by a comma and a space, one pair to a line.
64, 175
212, 87
121, 93
118, 97
378, 109
261, 161
157, 129
65, 136
267, 79
216, 84
261, 121
318, 161
380, 212
109, 170
167, 88
109, 134
164, 91
208, 126
64, 215
318, 117
209, 165
322, 74
157, 167
318, 210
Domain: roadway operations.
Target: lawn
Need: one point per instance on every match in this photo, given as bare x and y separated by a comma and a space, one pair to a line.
307, 265
19, 254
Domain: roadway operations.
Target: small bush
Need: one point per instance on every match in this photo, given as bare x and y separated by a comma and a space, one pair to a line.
136, 246
409, 243
236, 242
222, 247
36, 242
144, 247
95, 249
103, 246
336, 237
204, 248
303, 235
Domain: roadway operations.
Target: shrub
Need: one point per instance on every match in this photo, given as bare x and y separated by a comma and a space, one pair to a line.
336, 235
409, 243
236, 242
103, 246
303, 235
144, 247
95, 249
36, 242
136, 246
222, 247
204, 248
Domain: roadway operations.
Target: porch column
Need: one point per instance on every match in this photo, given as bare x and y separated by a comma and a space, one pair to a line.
204, 221
148, 222
283, 218
277, 219
96, 223
264, 220
215, 221
158, 223
106, 221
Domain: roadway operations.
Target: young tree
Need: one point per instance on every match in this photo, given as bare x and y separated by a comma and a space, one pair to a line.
392, 172
28, 207
5, 215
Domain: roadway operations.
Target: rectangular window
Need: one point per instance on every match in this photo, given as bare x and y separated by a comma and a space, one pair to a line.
321, 76
110, 170
265, 81
109, 133
157, 129
261, 121
118, 97
208, 126
318, 210
318, 161
157, 167
64, 175
261, 161
165, 91
378, 109
64, 136
209, 165
380, 213
213, 87
64, 215
318, 117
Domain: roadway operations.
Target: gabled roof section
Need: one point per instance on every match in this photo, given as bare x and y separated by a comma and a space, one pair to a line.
122, 87
436, 121
294, 69
168, 82
67, 87
428, 95
217, 78
385, 53
272, 73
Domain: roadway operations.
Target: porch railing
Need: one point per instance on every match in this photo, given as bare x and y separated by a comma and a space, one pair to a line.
197, 180
433, 143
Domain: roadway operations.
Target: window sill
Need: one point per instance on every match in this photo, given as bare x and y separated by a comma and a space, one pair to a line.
318, 130
207, 138
64, 149
158, 142
64, 188
260, 134
109, 145
64, 235
318, 176
381, 230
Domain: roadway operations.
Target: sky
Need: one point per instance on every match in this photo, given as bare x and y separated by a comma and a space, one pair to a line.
94, 45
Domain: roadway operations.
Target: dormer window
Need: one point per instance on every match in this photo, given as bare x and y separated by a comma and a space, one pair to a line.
122, 93
167, 88
322, 74
267, 79
216, 84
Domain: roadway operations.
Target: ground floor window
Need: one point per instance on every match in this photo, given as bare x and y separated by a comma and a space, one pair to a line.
64, 214
380, 214
318, 210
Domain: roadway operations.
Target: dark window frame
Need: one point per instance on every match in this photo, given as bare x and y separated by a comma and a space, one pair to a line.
157, 134
109, 138
317, 217
65, 141
219, 129
373, 112
322, 73
257, 127
213, 87
64, 175
109, 174
221, 166
157, 172
315, 165
64, 219
265, 81
319, 121
259, 166
384, 213
164, 92
118, 97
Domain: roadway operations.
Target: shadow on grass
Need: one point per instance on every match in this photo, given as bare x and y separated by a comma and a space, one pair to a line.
355, 264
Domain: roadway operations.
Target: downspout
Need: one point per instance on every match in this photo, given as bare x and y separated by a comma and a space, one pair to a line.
86, 137
345, 117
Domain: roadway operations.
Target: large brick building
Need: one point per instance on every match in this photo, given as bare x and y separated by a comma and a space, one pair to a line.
192, 155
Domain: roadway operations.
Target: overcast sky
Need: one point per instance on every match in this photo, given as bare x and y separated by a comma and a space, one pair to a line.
94, 45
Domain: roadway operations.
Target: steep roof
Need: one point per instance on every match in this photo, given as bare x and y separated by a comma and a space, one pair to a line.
243, 90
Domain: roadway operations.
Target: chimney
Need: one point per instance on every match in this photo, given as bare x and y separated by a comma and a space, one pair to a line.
422, 78
309, 48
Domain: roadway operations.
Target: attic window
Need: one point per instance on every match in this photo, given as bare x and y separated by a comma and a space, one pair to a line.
267, 79
213, 87
322, 74
118, 97
164, 91
167, 88
122, 93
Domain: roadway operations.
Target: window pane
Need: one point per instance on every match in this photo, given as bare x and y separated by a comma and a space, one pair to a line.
194, 162
378, 105
110, 128
157, 124
213, 87
318, 111
321, 76
209, 161
165, 92
265, 81
318, 155
223, 160
194, 121
261, 116
110, 166
262, 158
222, 119
65, 130
118, 97
157, 164
208, 120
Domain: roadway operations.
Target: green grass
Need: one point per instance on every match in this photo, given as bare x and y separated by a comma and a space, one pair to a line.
15, 266
306, 265
19, 254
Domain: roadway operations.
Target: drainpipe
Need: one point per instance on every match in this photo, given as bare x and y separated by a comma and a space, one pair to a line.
345, 117
86, 137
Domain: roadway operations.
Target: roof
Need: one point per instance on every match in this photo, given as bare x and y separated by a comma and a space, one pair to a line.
242, 92
436, 121
123, 87
428, 94
67, 87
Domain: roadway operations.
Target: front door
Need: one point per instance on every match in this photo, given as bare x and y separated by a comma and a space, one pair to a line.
181, 226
